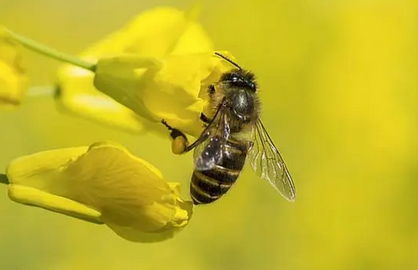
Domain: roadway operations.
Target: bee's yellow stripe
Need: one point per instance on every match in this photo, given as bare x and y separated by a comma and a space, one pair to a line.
212, 181
202, 193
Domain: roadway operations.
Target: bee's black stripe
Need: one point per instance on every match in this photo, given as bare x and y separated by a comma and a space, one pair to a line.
233, 160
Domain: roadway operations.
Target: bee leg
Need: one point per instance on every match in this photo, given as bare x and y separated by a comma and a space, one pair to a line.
204, 118
180, 142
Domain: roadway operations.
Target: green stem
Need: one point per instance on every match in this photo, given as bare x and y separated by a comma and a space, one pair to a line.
4, 179
50, 52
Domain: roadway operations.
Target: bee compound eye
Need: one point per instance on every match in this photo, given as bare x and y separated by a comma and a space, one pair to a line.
252, 86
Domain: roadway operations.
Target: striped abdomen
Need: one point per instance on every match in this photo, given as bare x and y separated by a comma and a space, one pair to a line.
209, 185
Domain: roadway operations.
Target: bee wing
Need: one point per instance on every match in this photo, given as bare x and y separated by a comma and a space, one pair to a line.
267, 162
210, 146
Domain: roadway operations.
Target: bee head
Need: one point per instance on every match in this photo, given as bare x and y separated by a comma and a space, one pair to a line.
240, 79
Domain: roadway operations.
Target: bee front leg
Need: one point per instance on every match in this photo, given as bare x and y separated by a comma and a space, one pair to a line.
204, 118
180, 143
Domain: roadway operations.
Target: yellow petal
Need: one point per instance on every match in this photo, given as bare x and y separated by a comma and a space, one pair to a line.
35, 197
102, 183
13, 81
96, 106
173, 89
178, 93
120, 78
152, 34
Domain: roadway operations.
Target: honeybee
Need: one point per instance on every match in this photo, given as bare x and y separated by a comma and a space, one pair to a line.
233, 136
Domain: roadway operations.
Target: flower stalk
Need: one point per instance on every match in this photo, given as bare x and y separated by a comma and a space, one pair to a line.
48, 51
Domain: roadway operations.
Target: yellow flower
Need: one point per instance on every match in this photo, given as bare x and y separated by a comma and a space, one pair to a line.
13, 81
103, 183
147, 44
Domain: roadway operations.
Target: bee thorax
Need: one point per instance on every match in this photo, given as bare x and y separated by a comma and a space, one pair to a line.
242, 103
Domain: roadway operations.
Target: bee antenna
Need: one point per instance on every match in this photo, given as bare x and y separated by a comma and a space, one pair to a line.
229, 60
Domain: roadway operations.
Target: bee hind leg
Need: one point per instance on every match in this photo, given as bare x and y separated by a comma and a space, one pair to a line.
180, 143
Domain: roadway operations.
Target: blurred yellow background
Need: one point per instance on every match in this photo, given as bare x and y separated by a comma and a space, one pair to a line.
339, 86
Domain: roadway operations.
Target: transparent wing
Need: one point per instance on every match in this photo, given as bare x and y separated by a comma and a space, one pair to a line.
209, 148
267, 162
